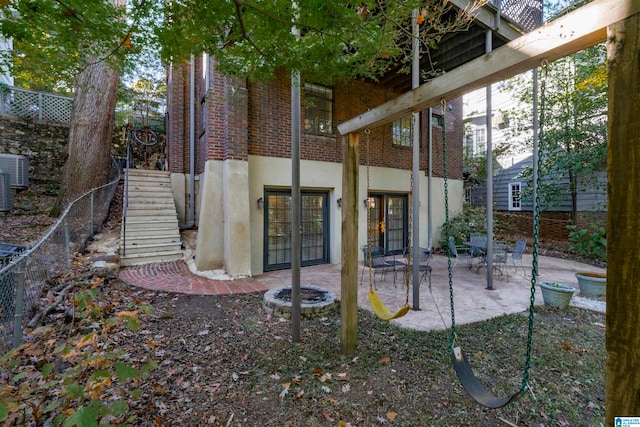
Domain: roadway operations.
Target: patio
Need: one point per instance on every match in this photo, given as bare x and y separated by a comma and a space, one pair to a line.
473, 302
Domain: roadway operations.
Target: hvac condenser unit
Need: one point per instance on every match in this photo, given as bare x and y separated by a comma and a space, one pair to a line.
18, 169
5, 191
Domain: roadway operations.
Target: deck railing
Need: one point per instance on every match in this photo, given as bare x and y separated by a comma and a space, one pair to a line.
28, 104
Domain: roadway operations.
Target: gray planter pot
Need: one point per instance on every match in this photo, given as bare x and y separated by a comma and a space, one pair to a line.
556, 294
592, 285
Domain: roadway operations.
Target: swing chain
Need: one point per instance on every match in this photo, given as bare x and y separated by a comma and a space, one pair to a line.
369, 257
443, 106
407, 280
536, 231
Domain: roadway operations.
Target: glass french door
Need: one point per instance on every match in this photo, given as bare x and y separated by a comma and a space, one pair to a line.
387, 224
314, 223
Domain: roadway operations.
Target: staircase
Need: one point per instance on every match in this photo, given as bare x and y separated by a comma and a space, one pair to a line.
150, 231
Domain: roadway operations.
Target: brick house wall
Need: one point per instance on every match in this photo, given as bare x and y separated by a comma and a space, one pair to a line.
235, 119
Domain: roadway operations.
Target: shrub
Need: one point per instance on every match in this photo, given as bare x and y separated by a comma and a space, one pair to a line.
472, 220
591, 243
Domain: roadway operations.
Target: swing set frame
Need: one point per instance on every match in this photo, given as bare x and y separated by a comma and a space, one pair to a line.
583, 28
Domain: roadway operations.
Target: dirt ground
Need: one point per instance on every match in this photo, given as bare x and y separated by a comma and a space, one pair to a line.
223, 361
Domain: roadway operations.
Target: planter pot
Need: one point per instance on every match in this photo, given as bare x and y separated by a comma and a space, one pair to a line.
592, 285
556, 294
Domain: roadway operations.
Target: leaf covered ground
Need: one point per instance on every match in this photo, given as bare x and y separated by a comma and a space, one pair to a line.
114, 354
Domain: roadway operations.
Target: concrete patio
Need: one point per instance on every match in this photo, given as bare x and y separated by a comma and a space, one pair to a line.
473, 302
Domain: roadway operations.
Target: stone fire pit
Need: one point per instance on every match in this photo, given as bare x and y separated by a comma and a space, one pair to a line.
315, 301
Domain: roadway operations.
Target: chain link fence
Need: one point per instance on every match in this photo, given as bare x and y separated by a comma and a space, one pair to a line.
24, 273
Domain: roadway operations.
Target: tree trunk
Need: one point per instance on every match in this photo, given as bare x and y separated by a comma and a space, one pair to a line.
90, 132
622, 381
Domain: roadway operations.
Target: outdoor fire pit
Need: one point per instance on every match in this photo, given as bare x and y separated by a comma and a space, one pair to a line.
314, 301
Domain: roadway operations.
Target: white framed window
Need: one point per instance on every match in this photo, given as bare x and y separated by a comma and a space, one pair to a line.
480, 139
318, 109
402, 132
514, 196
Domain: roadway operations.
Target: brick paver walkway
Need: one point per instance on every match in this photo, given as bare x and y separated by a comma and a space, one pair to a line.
176, 277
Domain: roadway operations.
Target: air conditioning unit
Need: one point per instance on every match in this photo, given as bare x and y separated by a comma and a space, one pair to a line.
18, 169
5, 191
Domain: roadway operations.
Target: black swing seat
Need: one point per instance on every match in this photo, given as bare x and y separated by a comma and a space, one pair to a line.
477, 390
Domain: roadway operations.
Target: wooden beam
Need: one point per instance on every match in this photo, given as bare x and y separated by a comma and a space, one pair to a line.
583, 28
486, 15
349, 273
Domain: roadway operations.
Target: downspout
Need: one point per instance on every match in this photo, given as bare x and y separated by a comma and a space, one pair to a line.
191, 222
415, 168
489, 123
429, 189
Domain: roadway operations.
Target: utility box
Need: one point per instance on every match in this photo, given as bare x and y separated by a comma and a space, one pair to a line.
18, 169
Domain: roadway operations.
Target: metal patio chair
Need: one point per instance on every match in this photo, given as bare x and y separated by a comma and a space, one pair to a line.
516, 255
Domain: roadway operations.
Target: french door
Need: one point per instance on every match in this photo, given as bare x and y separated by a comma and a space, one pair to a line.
314, 244
387, 224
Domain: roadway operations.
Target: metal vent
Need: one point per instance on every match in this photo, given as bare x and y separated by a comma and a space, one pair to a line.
18, 169
5, 191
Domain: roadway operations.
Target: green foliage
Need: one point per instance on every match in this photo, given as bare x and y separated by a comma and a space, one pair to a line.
591, 243
337, 41
472, 220
573, 139
75, 378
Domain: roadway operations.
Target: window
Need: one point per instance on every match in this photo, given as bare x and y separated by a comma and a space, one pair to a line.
402, 132
437, 120
318, 109
514, 196
480, 140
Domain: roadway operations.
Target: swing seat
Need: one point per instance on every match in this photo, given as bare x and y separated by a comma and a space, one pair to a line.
473, 386
382, 311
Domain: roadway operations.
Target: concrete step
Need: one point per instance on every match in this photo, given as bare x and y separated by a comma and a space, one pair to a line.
148, 238
135, 233
159, 210
156, 198
145, 224
148, 173
152, 231
137, 189
138, 259
138, 247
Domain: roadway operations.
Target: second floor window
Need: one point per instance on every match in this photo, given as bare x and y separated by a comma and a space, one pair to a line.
318, 109
402, 132
514, 196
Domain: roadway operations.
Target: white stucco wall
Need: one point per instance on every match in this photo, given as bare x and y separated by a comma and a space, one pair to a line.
231, 225
273, 173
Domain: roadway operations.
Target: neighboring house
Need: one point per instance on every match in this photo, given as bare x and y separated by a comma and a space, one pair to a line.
230, 140
507, 187
507, 182
6, 45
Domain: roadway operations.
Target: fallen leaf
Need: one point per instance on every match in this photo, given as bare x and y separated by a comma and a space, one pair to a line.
299, 394
317, 372
385, 359
343, 376
391, 415
566, 346
284, 391
326, 414
346, 388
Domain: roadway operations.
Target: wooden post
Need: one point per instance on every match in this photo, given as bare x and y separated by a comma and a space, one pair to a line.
349, 274
622, 383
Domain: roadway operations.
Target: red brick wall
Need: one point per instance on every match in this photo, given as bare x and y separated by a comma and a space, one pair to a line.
553, 225
255, 119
